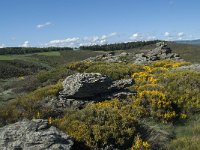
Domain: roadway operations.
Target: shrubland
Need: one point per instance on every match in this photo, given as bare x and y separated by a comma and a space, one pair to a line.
164, 95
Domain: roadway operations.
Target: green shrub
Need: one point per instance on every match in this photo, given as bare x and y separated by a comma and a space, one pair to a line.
29, 105
115, 70
183, 90
187, 136
54, 75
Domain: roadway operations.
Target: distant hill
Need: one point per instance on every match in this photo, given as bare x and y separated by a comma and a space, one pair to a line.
194, 42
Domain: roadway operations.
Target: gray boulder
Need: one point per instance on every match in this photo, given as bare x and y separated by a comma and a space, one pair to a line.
81, 89
90, 87
33, 135
85, 85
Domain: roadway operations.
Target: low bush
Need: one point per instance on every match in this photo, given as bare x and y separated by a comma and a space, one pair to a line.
115, 70
187, 136
98, 126
54, 75
167, 94
28, 106
17, 68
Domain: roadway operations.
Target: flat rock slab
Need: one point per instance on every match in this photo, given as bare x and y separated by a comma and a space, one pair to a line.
33, 135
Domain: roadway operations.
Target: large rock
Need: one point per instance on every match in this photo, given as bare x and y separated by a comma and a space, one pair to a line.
90, 86
33, 135
85, 85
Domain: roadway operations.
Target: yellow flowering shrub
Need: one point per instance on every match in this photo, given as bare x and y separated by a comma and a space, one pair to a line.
167, 94
169, 63
139, 144
99, 124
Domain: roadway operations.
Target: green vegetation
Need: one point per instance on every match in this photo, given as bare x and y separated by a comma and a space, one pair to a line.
165, 96
118, 46
115, 70
188, 52
99, 126
17, 68
53, 53
187, 136
6, 57
28, 106
26, 50
170, 98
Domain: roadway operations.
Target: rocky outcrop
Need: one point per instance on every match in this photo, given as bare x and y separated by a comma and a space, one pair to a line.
80, 89
111, 57
90, 86
83, 88
33, 135
85, 85
162, 51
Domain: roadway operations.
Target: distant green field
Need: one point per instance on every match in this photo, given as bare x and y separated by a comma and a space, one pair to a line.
28, 56
53, 53
6, 57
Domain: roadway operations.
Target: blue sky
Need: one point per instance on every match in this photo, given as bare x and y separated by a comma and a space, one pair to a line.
85, 22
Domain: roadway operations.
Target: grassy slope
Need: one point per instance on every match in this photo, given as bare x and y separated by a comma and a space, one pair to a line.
187, 136
53, 53
187, 52
49, 60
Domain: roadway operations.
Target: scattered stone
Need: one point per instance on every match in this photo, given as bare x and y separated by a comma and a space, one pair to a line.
33, 135
122, 95
111, 57
194, 67
121, 84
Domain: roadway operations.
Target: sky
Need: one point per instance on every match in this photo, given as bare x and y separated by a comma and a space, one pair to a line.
43, 23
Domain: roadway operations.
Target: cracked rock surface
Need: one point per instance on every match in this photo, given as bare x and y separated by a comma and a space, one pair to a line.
33, 135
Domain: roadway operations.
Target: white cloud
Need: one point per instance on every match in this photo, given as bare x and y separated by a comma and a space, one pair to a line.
166, 34
180, 34
39, 26
2, 45
149, 38
25, 44
136, 37
113, 34
69, 42
76, 41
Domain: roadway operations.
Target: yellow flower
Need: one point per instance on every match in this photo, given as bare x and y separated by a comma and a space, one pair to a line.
50, 120
183, 116
38, 115
146, 145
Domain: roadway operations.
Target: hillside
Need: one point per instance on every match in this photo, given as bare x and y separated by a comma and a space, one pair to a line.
192, 42
141, 98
